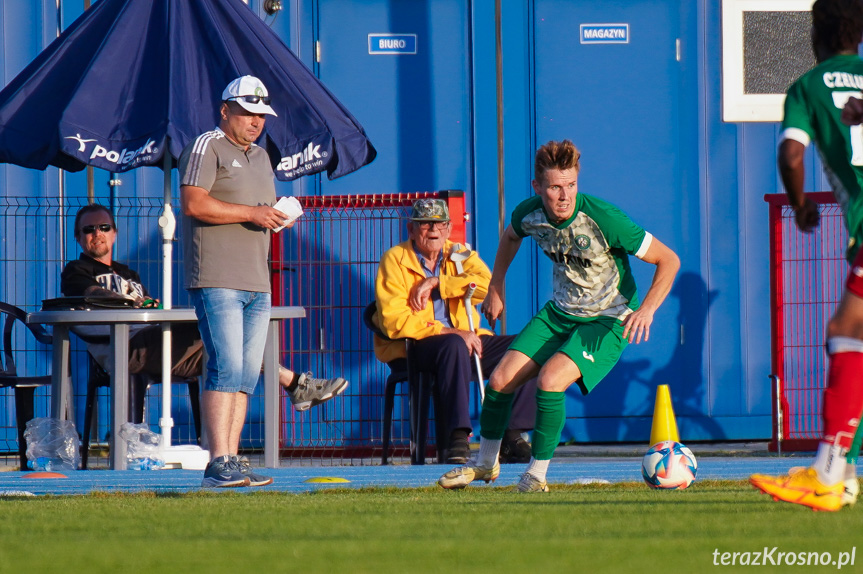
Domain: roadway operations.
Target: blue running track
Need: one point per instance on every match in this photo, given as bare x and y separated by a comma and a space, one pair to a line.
293, 479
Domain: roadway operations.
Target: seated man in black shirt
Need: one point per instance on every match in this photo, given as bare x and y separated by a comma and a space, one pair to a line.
96, 273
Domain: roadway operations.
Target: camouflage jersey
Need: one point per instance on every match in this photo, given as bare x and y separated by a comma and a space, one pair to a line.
589, 251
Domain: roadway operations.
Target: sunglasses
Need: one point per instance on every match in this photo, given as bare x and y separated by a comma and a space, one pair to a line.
103, 227
253, 99
433, 224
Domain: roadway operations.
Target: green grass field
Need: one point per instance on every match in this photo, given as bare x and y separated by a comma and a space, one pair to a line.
595, 528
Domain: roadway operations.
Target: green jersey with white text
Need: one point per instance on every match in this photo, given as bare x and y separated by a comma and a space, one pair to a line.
590, 250
813, 107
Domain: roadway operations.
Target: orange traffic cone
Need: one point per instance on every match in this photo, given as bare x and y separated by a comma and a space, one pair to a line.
664, 425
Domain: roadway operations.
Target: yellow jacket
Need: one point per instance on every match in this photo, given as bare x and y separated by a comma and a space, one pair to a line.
399, 271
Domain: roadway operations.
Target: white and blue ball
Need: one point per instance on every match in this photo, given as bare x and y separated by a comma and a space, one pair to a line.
669, 464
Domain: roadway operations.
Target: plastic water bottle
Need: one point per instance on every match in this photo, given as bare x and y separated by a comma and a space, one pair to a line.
45, 463
144, 463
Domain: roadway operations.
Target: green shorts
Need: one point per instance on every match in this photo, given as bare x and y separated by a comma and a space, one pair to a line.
594, 345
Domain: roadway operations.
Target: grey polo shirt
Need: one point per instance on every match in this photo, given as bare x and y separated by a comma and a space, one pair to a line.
231, 255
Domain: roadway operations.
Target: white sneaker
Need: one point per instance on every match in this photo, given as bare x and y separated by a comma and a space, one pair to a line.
851, 487
461, 476
530, 483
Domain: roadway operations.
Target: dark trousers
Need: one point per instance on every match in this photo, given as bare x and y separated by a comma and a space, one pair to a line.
145, 351
447, 356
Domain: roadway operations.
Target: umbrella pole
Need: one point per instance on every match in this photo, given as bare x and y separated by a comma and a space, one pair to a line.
167, 223
183, 456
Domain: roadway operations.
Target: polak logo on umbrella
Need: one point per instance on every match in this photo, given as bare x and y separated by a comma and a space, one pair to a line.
123, 159
309, 159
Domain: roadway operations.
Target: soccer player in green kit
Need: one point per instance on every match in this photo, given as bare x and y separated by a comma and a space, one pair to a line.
814, 112
578, 336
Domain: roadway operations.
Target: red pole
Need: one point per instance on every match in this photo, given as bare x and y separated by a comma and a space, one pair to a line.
777, 319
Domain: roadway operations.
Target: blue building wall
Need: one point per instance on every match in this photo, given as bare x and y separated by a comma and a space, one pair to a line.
654, 143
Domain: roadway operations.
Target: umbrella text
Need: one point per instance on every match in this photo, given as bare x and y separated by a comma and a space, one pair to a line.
124, 157
293, 161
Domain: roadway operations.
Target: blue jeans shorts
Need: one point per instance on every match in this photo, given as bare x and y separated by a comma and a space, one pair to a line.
233, 327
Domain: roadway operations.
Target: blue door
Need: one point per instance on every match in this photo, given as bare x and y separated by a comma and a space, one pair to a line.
611, 76
401, 67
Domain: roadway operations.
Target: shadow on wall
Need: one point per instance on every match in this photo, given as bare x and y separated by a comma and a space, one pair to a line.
622, 407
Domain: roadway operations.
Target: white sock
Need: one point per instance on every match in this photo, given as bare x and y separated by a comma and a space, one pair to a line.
538, 468
850, 472
830, 463
488, 452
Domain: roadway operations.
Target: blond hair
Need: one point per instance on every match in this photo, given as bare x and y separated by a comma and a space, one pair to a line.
561, 156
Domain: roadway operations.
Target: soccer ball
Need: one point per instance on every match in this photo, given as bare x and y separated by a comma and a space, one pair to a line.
668, 464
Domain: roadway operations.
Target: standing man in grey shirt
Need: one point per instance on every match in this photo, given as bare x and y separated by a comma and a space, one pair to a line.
226, 190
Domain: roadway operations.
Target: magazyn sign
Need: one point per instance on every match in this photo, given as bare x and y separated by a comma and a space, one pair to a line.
604, 33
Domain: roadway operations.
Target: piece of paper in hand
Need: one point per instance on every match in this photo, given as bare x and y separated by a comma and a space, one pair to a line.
291, 207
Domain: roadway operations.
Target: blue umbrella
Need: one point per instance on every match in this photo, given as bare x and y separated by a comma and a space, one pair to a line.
132, 78
129, 77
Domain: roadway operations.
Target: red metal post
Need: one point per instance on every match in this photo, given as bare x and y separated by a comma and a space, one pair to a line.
455, 203
777, 317
276, 269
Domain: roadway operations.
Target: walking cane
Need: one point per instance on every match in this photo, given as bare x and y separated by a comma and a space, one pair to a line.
469, 309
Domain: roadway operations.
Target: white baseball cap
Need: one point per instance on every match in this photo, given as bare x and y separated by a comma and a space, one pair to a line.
250, 93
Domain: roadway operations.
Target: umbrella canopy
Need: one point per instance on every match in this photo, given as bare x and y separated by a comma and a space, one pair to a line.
129, 77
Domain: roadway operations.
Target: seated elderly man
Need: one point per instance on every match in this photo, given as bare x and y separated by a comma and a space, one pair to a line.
420, 290
96, 273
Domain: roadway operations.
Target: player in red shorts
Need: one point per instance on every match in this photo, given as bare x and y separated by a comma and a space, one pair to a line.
814, 112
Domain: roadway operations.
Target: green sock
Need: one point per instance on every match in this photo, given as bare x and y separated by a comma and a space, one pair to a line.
854, 451
494, 416
550, 418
